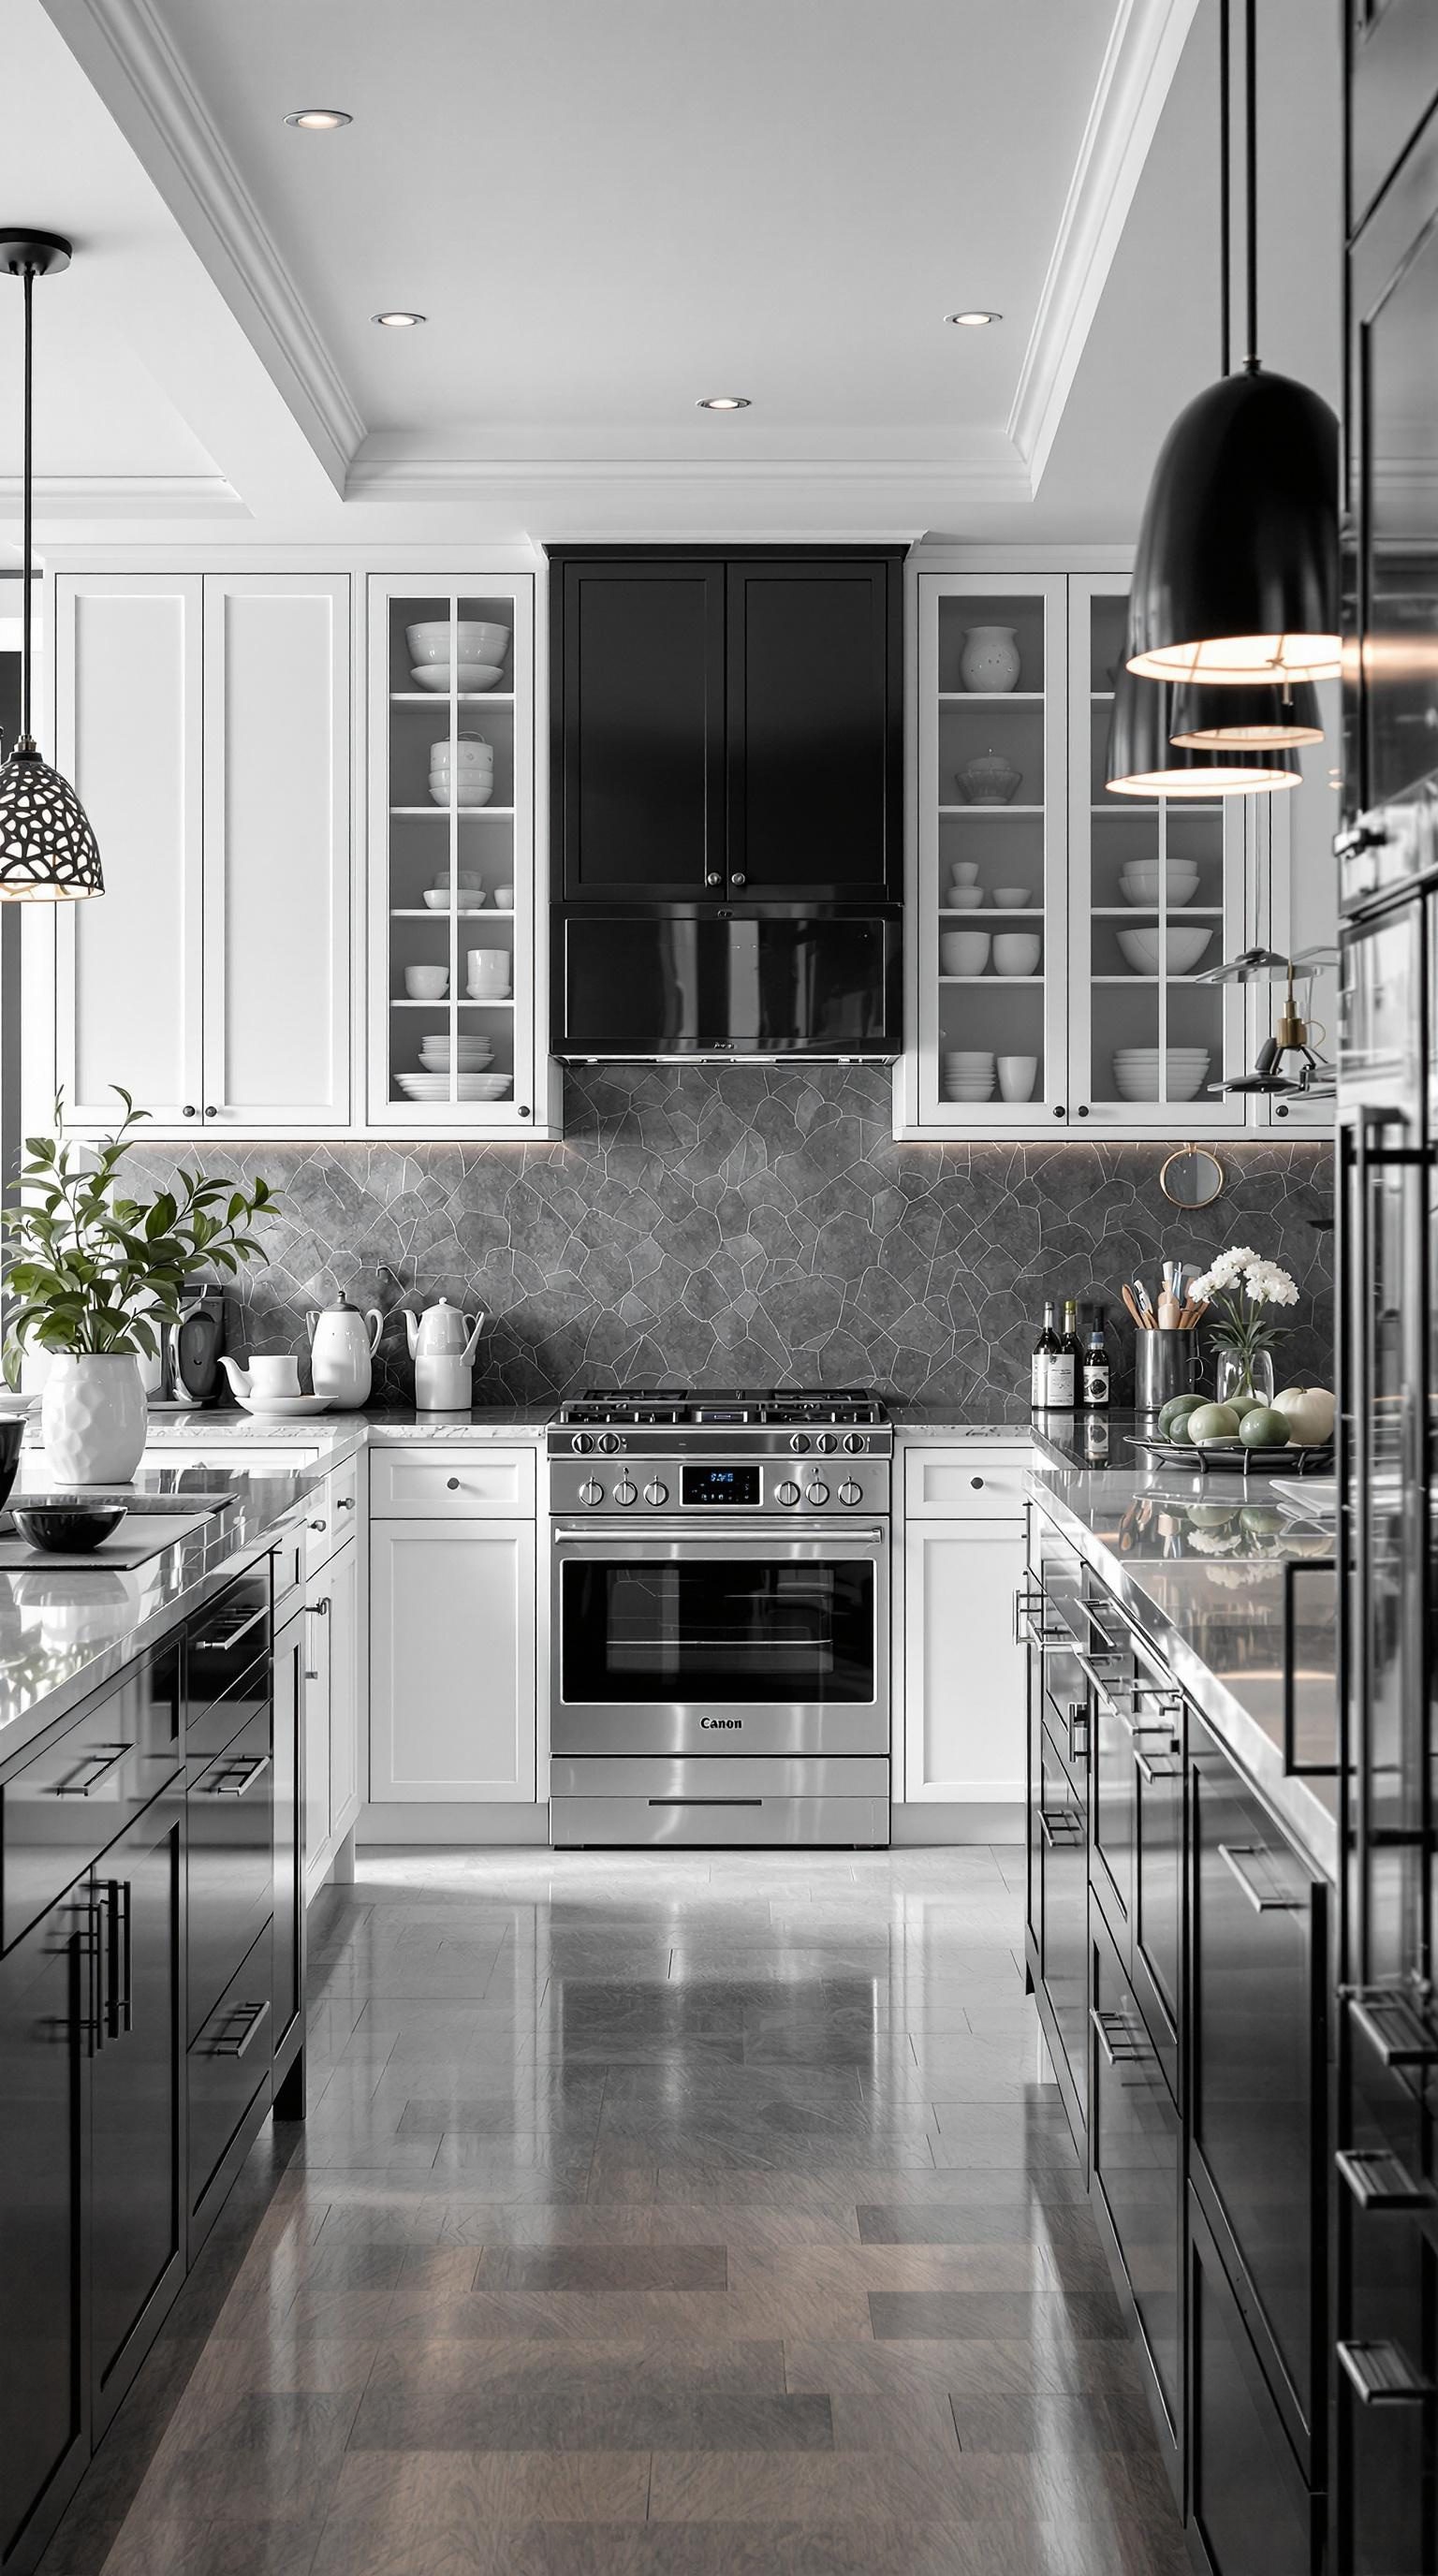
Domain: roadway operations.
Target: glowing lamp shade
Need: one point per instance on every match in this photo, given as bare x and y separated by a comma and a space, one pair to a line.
1254, 719
1143, 760
48, 852
1236, 577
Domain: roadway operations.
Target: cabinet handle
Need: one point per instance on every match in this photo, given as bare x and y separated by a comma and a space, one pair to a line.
1393, 2028
1378, 2180
318, 1609
106, 1756
319, 1525
453, 1484
1078, 1723
1233, 1856
258, 2014
1293, 1768
1043, 1640
1383, 2374
1082, 1110
712, 877
212, 1113
189, 1109
1150, 1774
346, 1503
1060, 1826
524, 1113
976, 1482
1060, 1113
116, 2011
237, 1778
738, 878
229, 1637
93, 1953
1115, 2055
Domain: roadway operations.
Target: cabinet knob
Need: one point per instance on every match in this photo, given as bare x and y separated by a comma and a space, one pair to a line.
1060, 1113
189, 1109
453, 1483
1280, 1111
212, 1113
346, 1503
976, 1482
1083, 1109
524, 1113
319, 1609
319, 1525
713, 877
738, 878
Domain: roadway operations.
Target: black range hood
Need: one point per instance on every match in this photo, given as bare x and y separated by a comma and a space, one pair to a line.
652, 983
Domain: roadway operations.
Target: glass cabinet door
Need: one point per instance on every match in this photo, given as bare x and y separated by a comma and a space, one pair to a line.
990, 940
1157, 894
452, 865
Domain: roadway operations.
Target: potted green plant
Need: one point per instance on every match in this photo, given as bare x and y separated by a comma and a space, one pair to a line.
94, 1277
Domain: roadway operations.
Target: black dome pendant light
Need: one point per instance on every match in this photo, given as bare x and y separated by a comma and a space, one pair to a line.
47, 849
1207, 718
1236, 578
1144, 759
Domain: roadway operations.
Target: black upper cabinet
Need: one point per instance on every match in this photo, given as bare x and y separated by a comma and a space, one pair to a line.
727, 727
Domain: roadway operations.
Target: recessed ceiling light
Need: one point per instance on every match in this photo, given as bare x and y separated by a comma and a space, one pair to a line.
397, 321
973, 321
722, 402
318, 120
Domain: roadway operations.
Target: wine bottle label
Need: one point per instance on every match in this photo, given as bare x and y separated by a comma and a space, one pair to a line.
1060, 1394
1095, 1382
1039, 1381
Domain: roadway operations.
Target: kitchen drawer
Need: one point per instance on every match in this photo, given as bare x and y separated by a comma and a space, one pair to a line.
209, 1730
225, 1640
424, 1484
231, 1861
63, 1809
1387, 2317
1247, 2497
966, 1484
227, 2062
1061, 1857
331, 1515
1137, 2148
288, 1560
1258, 1977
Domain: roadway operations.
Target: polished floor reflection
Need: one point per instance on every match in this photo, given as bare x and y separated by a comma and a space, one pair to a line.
691, 2215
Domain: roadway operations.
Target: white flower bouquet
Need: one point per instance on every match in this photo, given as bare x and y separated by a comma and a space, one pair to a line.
1240, 1285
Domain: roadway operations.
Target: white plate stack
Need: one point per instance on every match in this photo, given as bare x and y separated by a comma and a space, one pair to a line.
1139, 881
968, 1074
468, 1055
467, 1086
1136, 1071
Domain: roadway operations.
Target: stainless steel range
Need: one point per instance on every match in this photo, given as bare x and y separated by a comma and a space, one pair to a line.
720, 1618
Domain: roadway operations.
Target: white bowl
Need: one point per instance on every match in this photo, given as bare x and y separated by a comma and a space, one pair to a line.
426, 983
467, 787
1182, 947
965, 898
472, 1055
470, 752
467, 898
1017, 952
504, 898
966, 1094
975, 1058
471, 639
1139, 881
1012, 898
964, 872
466, 1086
470, 679
963, 952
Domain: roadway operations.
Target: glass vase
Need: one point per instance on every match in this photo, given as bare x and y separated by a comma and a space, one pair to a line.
1245, 1374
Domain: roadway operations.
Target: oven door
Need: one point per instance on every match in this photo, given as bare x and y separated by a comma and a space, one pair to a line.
705, 1641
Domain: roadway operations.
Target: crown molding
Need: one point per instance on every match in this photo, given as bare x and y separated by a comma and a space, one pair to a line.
1141, 57
127, 496
126, 52
445, 480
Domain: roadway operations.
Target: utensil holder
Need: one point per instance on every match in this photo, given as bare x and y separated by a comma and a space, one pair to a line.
1167, 1362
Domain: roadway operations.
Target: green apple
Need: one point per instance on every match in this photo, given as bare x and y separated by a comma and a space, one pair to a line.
1177, 1405
1213, 1422
1264, 1428
1310, 1411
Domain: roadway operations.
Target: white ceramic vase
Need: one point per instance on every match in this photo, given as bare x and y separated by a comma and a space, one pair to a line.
93, 1417
990, 658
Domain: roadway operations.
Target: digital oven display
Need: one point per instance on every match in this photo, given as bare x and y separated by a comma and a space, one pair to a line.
737, 1485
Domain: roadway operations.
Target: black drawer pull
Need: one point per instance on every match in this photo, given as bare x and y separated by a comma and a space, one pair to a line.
705, 1802
119, 2006
1383, 2375
319, 1525
1078, 1727
319, 1609
236, 2046
1263, 1900
1060, 1825
1151, 1773
229, 1638
1378, 2181
1045, 1641
106, 1755
1394, 2029
1115, 2050
236, 1779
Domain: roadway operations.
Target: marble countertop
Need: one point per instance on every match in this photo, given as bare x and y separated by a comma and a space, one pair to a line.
1199, 1564
63, 1632
206, 1426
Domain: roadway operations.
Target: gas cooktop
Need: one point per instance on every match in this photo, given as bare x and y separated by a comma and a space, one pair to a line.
724, 1409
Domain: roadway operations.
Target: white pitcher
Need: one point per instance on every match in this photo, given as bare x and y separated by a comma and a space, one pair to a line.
343, 1342
442, 1344
265, 1376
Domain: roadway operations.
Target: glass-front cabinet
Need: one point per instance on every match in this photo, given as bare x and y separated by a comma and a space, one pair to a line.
1055, 930
452, 857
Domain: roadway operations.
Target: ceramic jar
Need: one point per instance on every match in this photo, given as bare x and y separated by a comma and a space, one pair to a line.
989, 659
93, 1417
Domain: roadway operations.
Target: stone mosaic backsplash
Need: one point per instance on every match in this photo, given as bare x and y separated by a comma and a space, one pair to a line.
749, 1226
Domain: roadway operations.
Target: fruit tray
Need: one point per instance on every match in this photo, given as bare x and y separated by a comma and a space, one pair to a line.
1230, 1458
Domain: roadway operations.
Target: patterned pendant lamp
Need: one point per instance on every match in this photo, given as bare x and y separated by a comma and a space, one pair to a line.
47, 849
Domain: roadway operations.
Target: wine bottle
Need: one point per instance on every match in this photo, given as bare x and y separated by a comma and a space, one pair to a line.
1065, 1363
1097, 1382
1046, 1351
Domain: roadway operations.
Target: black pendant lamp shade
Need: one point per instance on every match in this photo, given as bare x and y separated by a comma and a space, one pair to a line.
1236, 575
47, 849
1255, 719
1143, 759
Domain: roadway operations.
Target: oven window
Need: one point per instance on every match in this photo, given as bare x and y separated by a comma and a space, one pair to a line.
721, 1631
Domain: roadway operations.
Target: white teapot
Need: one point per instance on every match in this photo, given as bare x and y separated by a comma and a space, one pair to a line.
343, 1342
442, 1344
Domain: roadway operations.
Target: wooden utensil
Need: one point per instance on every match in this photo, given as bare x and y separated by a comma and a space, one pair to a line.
1132, 1304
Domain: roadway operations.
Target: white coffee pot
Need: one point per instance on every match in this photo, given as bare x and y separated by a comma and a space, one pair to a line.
343, 1341
442, 1344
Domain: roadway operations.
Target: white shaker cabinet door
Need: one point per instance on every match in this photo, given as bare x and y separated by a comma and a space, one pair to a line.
317, 1672
964, 1677
127, 734
277, 850
452, 1670
341, 1579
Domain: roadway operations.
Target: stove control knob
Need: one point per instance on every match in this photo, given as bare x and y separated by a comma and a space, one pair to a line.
593, 1492
817, 1494
826, 1441
850, 1492
798, 1439
788, 1492
608, 1442
581, 1442
656, 1494
626, 1491
853, 1440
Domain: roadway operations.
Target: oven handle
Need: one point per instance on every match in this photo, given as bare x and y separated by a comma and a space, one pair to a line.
609, 1536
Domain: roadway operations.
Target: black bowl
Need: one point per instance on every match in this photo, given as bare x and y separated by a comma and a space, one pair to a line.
12, 1433
67, 1529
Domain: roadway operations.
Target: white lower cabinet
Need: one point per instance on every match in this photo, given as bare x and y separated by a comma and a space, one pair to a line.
331, 1711
963, 1677
452, 1659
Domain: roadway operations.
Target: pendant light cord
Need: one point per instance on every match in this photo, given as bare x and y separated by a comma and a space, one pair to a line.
1250, 175
26, 505
1225, 227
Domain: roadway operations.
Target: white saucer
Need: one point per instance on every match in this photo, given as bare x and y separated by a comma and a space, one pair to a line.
278, 1408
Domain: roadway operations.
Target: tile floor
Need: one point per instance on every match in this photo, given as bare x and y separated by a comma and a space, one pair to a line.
656, 2215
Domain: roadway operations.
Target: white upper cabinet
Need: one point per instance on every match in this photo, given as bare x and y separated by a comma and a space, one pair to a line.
205, 721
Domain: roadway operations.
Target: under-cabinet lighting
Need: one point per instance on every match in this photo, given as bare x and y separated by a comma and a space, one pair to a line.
318, 120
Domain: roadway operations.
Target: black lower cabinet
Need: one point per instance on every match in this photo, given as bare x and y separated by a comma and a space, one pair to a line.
47, 2012
137, 2215
228, 2071
287, 1736
1250, 2507
1136, 2144
1062, 1966
1386, 2385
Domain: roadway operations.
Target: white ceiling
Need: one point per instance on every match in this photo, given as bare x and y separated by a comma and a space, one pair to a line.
610, 207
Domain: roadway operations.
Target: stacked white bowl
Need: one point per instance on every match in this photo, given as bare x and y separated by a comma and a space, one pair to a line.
1136, 1072
466, 767
469, 894
468, 1055
1139, 881
1183, 948
472, 651
968, 1073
